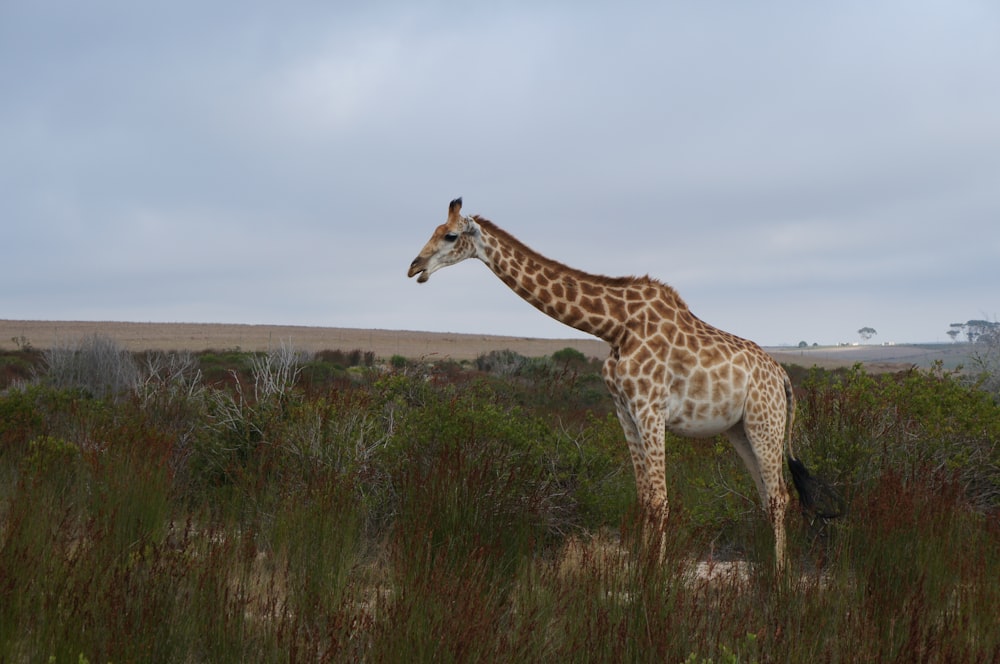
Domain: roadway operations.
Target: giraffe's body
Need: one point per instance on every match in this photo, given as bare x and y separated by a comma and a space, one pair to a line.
668, 370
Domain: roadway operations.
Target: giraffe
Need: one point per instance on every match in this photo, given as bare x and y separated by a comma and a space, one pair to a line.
667, 371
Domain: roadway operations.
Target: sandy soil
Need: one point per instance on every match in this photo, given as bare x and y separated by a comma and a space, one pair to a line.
411, 344
206, 336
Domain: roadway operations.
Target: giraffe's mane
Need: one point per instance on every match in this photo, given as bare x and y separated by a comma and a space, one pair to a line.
597, 279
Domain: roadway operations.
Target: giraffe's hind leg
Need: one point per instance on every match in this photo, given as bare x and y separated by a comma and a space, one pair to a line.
738, 439
763, 459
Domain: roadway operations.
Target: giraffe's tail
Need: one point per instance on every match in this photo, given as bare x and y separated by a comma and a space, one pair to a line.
816, 496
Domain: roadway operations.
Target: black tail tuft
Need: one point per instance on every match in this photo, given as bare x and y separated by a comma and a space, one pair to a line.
816, 496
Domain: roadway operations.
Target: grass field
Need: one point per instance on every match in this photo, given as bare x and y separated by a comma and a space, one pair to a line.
328, 506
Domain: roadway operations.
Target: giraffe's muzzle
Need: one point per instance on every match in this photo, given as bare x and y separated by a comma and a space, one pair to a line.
419, 266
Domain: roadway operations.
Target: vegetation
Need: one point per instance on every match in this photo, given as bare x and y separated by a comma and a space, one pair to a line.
985, 356
280, 507
975, 330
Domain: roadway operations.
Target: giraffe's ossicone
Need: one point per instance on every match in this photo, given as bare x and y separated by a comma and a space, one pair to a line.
668, 370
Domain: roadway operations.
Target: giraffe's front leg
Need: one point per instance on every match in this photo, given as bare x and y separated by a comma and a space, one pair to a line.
644, 429
640, 464
652, 432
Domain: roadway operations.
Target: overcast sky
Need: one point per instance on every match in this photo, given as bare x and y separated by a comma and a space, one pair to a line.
795, 170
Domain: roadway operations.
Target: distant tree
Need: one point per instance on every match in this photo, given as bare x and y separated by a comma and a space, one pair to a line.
981, 330
985, 355
803, 344
867, 333
975, 330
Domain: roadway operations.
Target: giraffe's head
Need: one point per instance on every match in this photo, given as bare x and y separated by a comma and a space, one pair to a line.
452, 242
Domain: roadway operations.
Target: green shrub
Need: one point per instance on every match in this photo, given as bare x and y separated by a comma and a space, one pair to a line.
708, 482
220, 367
54, 459
22, 416
502, 362
442, 514
344, 359
19, 366
592, 467
569, 357
856, 426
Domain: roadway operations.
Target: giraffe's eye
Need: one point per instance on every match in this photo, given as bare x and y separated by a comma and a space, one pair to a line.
450, 237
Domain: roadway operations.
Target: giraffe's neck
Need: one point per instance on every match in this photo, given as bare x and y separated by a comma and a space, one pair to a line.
570, 296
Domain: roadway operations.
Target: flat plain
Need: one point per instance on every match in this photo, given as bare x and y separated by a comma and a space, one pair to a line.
411, 344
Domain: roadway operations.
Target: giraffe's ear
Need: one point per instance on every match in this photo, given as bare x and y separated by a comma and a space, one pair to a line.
455, 206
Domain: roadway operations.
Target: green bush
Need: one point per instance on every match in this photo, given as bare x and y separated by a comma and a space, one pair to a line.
591, 465
22, 417
445, 514
569, 357
53, 460
854, 427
